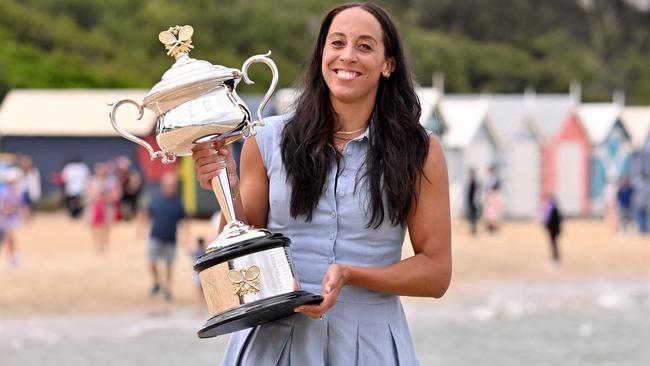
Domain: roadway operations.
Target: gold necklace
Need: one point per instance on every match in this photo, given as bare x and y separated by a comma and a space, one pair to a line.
344, 138
341, 132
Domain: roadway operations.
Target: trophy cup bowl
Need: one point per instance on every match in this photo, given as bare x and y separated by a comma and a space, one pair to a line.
246, 274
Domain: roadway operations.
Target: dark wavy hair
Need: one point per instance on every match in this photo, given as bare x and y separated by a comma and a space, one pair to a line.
398, 144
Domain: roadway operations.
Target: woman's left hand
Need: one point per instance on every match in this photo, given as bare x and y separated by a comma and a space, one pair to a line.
333, 281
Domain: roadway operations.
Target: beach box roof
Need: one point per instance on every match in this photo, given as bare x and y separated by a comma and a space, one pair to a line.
71, 112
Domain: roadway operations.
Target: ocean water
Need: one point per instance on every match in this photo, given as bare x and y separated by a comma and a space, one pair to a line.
595, 323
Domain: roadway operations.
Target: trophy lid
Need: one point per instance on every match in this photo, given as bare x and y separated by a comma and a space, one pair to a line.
188, 77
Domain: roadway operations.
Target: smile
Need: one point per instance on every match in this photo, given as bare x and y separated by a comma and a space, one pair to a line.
347, 74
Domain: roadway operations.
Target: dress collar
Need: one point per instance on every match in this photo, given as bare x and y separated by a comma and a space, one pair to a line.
363, 136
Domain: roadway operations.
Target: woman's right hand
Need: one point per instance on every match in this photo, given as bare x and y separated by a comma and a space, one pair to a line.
210, 158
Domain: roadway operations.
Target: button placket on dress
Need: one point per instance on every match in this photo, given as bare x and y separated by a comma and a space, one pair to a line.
343, 185
333, 215
342, 188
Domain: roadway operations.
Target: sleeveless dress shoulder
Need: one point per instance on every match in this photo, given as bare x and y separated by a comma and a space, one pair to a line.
365, 327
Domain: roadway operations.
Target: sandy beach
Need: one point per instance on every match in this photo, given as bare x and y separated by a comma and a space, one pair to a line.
61, 273
64, 293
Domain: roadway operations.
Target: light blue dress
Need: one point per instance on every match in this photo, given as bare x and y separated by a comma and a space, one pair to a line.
364, 327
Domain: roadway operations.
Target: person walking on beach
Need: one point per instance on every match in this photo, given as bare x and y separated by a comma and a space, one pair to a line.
624, 197
197, 252
103, 193
131, 183
29, 183
493, 205
472, 208
641, 205
344, 177
75, 176
552, 221
493, 209
167, 217
11, 214
610, 212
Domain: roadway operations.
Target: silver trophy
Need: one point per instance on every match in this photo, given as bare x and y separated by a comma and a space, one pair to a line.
246, 273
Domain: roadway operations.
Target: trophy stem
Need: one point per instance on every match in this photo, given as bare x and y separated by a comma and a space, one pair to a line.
221, 188
234, 231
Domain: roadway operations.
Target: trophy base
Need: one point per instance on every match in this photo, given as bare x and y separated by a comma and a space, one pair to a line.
256, 313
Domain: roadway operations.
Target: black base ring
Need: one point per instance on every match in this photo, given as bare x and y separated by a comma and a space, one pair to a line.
256, 313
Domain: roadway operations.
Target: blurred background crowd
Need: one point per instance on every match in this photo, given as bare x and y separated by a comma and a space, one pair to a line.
107, 193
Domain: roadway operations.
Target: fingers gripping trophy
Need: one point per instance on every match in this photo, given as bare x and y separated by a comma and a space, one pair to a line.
246, 273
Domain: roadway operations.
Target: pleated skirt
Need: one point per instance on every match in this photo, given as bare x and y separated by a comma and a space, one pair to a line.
350, 334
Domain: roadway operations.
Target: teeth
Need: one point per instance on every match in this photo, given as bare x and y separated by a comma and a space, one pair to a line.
348, 75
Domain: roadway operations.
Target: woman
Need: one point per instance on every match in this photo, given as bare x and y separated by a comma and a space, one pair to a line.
11, 214
29, 184
343, 177
104, 193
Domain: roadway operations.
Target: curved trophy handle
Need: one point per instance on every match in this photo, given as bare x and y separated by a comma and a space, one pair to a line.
166, 158
250, 130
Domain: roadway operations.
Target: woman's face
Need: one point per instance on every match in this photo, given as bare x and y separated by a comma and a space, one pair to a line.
353, 56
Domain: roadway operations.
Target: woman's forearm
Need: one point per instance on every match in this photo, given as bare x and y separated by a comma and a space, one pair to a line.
415, 276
